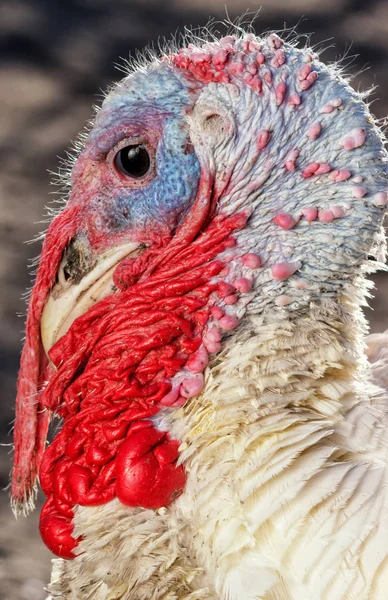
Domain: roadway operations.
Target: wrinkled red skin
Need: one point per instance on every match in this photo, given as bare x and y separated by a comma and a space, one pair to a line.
133, 343
146, 471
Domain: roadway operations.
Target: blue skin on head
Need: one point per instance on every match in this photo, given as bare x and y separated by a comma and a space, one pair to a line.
150, 109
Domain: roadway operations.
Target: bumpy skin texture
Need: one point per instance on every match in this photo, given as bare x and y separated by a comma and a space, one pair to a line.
142, 349
152, 109
264, 199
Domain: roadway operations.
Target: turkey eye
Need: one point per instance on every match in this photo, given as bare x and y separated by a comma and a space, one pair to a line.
133, 161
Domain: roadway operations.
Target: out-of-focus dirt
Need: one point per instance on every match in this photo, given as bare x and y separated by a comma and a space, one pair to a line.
54, 59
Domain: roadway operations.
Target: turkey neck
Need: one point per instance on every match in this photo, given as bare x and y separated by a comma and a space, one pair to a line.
273, 415
302, 364
264, 444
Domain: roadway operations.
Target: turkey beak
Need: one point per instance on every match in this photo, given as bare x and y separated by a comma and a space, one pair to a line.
82, 280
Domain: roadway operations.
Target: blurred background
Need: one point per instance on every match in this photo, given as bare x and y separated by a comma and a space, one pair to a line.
55, 58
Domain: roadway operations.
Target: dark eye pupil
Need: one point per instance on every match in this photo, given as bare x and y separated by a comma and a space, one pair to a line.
133, 161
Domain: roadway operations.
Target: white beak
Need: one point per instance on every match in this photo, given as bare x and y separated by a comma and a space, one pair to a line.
67, 301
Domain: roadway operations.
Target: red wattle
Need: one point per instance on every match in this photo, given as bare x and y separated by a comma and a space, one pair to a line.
147, 474
56, 531
107, 387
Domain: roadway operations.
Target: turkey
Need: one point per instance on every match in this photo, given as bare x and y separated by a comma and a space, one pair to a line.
196, 324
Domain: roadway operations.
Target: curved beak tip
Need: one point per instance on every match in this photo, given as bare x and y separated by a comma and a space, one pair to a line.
66, 302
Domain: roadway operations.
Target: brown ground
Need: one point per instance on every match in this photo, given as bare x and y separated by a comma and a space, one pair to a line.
54, 58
